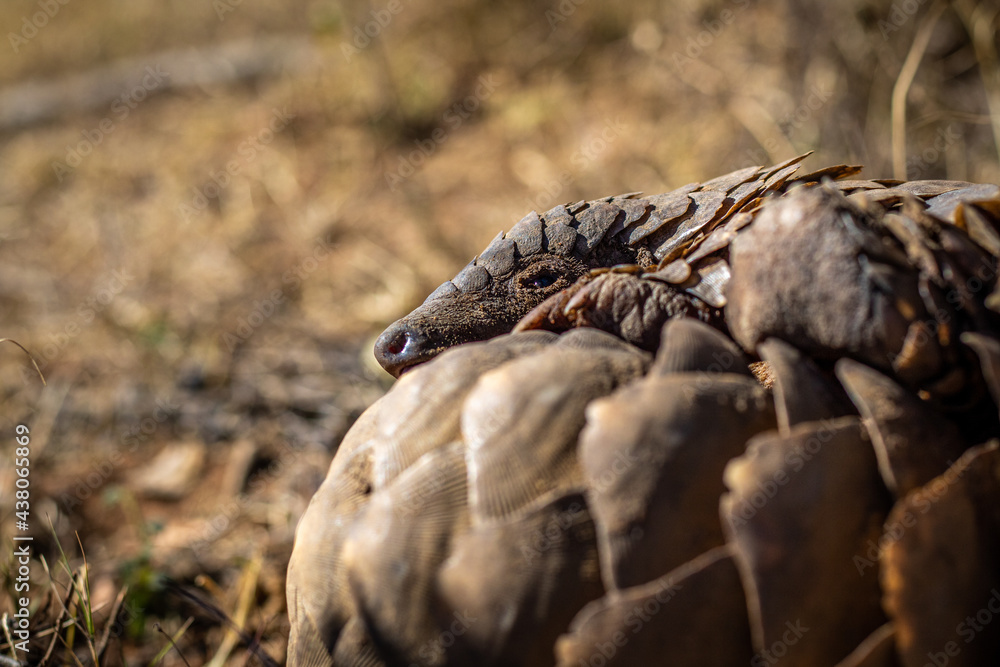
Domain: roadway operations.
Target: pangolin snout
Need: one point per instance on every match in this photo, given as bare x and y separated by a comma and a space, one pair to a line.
401, 346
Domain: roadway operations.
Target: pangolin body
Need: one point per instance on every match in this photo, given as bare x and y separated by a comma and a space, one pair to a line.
611, 485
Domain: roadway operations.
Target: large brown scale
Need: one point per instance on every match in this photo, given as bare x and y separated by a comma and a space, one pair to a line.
751, 421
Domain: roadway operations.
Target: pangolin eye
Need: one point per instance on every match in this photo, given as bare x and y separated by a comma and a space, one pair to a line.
541, 280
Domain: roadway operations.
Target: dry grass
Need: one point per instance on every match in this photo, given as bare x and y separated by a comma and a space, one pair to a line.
236, 339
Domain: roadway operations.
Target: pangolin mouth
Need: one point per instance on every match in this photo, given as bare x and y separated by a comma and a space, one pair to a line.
406, 369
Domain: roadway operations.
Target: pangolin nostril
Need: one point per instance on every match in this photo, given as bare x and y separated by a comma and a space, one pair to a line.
398, 343
401, 346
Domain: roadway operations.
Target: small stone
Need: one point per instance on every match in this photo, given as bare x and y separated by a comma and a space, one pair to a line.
172, 473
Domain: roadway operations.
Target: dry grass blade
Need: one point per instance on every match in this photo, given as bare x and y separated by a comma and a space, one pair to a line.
172, 642
10, 640
77, 595
213, 589
979, 21
63, 612
76, 589
902, 87
25, 350
83, 584
762, 126
250, 575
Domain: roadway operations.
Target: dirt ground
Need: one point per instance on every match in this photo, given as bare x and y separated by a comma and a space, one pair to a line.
209, 209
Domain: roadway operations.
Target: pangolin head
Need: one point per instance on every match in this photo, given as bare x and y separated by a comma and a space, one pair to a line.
543, 254
538, 257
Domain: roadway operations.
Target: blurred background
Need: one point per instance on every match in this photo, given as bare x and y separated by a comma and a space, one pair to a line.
209, 209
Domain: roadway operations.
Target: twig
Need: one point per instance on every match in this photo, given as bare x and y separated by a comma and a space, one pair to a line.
55, 632
902, 87
222, 618
253, 647
106, 635
69, 649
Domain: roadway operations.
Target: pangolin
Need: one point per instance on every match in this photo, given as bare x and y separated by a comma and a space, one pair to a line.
611, 485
